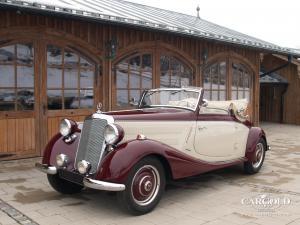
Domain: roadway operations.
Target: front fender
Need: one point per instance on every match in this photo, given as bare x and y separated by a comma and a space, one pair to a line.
254, 135
118, 163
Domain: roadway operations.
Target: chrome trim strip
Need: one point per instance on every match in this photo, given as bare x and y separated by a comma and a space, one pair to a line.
102, 185
46, 168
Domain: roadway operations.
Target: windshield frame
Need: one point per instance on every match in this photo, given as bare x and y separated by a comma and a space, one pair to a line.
198, 90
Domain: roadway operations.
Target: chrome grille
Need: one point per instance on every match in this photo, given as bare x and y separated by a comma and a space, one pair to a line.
91, 146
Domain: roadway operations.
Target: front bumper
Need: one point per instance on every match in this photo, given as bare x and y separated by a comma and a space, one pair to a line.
87, 182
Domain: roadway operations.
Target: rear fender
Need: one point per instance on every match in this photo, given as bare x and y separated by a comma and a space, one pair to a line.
254, 135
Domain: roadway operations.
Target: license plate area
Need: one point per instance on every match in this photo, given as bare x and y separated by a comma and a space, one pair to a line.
71, 176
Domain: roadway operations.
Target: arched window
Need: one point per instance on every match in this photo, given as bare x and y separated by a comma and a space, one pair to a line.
174, 73
241, 82
17, 77
70, 79
132, 76
214, 81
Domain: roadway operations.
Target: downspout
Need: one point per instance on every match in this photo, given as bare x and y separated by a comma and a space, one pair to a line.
279, 67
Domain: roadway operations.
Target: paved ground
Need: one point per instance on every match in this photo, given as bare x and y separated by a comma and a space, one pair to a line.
222, 197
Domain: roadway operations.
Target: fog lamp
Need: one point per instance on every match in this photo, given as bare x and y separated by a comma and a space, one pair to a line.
83, 167
61, 160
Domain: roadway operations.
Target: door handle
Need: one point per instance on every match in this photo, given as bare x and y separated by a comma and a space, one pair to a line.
201, 128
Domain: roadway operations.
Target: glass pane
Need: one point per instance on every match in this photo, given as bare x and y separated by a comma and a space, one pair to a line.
25, 54
187, 78
54, 78
25, 99
71, 99
7, 54
71, 78
86, 98
86, 78
135, 94
222, 78
54, 55
123, 65
247, 95
235, 79
241, 80
176, 65
206, 80
206, 94
147, 62
165, 79
85, 63
135, 80
222, 95
175, 79
146, 80
241, 94
71, 59
25, 76
7, 76
164, 63
7, 100
122, 79
215, 96
135, 63
234, 95
54, 99
122, 98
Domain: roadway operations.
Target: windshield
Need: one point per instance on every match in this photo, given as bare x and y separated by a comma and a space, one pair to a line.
179, 98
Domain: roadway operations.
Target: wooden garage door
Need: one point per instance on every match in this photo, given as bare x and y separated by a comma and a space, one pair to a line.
70, 81
17, 100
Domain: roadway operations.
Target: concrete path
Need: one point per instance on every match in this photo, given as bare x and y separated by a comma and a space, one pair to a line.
221, 197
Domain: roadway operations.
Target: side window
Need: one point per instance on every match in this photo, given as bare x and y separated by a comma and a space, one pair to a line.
17, 77
70, 79
174, 73
132, 76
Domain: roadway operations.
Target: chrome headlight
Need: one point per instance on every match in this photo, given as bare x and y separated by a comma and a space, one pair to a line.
65, 127
62, 160
113, 134
83, 167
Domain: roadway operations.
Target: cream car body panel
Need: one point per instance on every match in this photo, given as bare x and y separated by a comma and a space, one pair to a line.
177, 134
228, 137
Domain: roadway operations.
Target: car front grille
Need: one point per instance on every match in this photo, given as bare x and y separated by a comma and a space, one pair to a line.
91, 146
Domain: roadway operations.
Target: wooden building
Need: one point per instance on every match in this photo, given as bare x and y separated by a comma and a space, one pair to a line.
60, 60
280, 90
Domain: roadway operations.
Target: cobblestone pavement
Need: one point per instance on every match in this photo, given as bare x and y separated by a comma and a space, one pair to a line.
221, 197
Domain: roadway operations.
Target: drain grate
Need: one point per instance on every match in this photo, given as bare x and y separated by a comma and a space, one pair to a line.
16, 214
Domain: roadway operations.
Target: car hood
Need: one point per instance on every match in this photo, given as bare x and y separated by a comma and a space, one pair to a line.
153, 114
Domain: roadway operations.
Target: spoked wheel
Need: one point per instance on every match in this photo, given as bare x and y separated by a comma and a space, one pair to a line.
144, 187
259, 156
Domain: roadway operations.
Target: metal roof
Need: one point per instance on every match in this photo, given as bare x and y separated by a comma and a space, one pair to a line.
273, 78
124, 12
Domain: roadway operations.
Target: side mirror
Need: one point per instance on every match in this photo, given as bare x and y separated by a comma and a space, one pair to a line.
133, 102
204, 103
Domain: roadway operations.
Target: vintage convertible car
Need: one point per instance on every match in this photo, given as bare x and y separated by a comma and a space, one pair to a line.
174, 133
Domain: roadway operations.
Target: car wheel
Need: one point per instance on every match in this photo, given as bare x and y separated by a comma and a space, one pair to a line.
63, 186
144, 187
254, 166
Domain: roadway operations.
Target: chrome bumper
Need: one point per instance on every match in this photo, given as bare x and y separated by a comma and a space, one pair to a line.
87, 182
46, 169
102, 185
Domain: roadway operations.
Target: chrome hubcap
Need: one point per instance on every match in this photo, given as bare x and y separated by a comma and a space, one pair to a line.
145, 185
259, 155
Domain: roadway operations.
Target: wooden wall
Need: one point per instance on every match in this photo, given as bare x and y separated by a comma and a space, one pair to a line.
291, 111
91, 38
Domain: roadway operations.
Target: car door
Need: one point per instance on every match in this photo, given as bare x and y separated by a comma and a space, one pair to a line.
215, 136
